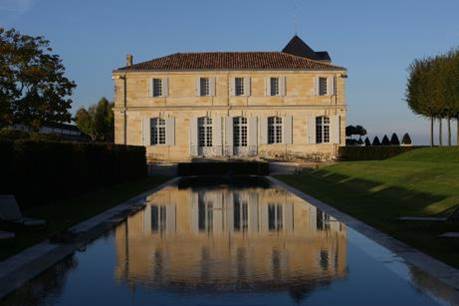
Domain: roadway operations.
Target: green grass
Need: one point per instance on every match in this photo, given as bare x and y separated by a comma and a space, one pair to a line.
66, 213
422, 182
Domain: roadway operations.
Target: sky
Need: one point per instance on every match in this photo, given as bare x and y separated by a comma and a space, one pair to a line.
375, 40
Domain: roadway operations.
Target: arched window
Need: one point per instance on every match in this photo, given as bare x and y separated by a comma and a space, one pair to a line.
158, 131
240, 131
205, 131
322, 129
274, 130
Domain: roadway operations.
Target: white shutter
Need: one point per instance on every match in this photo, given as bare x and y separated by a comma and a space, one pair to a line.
253, 134
165, 87
330, 86
146, 132
212, 86
311, 132
194, 136
232, 86
263, 130
229, 135
247, 85
170, 131
335, 86
287, 130
316, 86
334, 129
150, 88
198, 87
268, 86
282, 86
217, 134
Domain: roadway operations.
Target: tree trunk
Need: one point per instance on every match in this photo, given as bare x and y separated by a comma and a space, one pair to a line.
432, 131
457, 134
440, 132
449, 131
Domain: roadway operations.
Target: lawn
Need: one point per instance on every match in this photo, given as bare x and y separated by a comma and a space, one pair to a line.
423, 182
63, 214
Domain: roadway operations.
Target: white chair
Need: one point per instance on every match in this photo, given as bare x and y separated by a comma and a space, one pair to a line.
10, 212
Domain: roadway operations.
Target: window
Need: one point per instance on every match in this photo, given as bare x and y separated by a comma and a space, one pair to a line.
274, 130
274, 86
240, 214
239, 86
205, 131
204, 87
157, 87
240, 131
322, 129
158, 218
158, 131
323, 86
275, 220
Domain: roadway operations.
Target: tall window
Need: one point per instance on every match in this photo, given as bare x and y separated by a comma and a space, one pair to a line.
239, 86
157, 87
274, 130
158, 131
205, 131
241, 213
322, 129
323, 86
240, 131
158, 218
275, 220
274, 86
204, 86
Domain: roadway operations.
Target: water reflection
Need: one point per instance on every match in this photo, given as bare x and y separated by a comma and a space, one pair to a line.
227, 239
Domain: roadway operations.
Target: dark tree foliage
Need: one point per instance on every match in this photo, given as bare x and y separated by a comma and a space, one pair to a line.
97, 121
394, 140
376, 141
385, 141
367, 142
406, 140
33, 88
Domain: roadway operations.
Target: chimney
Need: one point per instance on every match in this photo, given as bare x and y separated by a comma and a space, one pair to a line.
129, 60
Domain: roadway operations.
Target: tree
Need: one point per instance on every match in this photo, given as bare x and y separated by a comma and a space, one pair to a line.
376, 141
385, 141
367, 142
394, 140
406, 140
33, 88
97, 121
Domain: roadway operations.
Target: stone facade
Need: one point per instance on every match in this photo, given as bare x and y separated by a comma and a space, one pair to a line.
180, 105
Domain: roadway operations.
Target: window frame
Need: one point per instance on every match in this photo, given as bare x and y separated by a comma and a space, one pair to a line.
272, 92
158, 129
205, 132
206, 92
240, 132
275, 130
322, 81
241, 87
323, 125
154, 86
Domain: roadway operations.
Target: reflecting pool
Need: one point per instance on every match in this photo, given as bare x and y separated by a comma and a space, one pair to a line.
225, 244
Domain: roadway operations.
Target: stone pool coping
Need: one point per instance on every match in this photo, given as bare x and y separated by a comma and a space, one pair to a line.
26, 265
435, 268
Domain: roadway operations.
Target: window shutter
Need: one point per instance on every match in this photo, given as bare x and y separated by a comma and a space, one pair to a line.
229, 135
282, 86
212, 86
150, 88
334, 129
287, 130
232, 87
268, 86
263, 130
194, 136
253, 133
247, 86
311, 132
316, 86
165, 87
217, 135
198, 87
146, 132
335, 86
330, 86
170, 131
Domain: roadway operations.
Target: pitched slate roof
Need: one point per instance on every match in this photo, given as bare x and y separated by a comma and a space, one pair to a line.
230, 61
296, 46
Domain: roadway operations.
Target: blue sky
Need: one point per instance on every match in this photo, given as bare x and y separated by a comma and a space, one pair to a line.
375, 40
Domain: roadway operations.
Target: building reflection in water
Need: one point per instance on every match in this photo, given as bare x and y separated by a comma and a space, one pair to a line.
227, 239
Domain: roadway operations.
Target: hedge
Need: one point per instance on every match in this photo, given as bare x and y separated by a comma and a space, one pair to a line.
223, 168
38, 172
351, 153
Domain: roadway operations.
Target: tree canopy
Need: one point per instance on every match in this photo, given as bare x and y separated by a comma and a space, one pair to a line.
33, 88
97, 121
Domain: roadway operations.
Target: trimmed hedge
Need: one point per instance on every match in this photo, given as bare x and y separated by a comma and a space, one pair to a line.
39, 172
223, 168
372, 152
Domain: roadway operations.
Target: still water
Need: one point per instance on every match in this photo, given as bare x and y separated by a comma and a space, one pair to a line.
223, 244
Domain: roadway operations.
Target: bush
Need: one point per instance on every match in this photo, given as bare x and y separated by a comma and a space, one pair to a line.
394, 140
40, 172
406, 140
371, 153
223, 168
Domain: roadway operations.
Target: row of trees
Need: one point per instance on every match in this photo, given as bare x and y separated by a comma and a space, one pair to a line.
33, 88
97, 121
433, 90
393, 141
